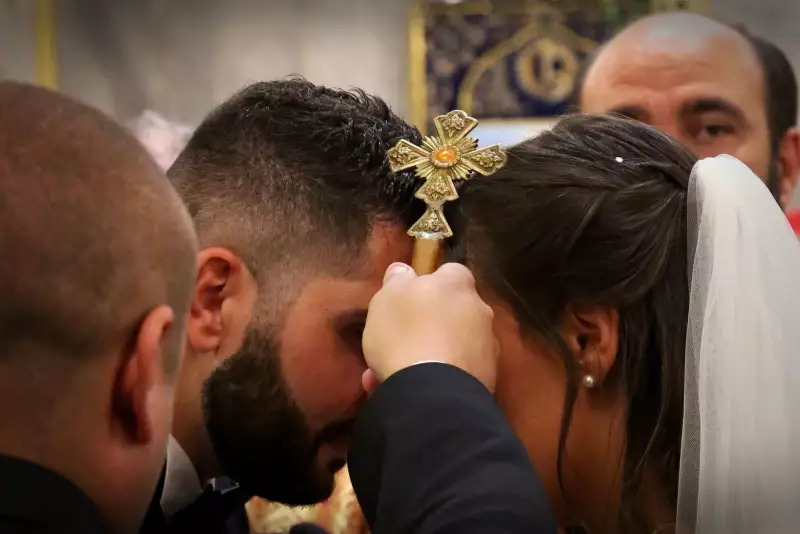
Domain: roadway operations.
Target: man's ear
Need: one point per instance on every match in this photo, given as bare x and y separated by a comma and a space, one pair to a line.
592, 335
789, 165
141, 400
222, 300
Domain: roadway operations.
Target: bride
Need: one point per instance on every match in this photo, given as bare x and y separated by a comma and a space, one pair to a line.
645, 308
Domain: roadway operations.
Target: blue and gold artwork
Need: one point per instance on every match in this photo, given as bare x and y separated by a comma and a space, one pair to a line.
496, 62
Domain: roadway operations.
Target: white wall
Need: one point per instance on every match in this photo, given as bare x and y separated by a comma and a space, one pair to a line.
182, 58
17, 46
776, 20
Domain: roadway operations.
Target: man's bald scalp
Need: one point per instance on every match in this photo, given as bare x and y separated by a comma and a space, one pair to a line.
681, 26
93, 236
674, 30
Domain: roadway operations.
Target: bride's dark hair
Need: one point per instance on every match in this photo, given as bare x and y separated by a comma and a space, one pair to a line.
593, 212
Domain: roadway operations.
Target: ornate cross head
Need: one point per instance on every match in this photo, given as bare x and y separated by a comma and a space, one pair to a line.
449, 156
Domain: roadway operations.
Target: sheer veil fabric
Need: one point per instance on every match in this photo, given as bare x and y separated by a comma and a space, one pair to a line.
740, 451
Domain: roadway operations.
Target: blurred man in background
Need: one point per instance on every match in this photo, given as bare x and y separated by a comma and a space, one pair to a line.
98, 262
715, 89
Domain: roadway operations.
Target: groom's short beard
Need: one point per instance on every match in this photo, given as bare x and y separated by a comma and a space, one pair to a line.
260, 437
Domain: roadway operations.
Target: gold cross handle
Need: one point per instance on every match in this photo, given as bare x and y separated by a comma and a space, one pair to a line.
451, 155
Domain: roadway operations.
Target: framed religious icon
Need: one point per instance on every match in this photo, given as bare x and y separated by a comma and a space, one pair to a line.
512, 64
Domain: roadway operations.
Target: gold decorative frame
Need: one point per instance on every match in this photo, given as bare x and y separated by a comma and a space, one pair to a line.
417, 76
46, 44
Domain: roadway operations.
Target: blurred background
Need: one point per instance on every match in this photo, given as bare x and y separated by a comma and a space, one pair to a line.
161, 65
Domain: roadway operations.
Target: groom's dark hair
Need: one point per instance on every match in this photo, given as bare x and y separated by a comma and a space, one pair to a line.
291, 176
593, 212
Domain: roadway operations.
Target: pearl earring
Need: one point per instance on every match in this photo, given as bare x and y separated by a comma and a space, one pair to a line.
588, 381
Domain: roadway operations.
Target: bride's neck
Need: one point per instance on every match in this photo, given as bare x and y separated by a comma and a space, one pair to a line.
650, 511
652, 507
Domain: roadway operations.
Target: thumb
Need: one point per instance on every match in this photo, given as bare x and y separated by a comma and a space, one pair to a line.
397, 272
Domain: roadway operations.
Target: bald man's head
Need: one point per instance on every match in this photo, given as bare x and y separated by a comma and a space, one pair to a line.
93, 234
98, 265
700, 81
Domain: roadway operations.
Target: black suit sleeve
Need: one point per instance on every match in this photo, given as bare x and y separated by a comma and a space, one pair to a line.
431, 453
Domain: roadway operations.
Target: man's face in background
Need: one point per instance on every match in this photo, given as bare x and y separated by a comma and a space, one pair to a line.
701, 83
280, 409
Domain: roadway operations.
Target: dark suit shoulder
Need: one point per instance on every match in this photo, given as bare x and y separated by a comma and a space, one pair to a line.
36, 500
431, 453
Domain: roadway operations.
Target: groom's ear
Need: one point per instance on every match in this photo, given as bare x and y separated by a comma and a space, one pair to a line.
592, 334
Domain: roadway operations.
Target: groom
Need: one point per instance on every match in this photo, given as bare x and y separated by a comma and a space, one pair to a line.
298, 217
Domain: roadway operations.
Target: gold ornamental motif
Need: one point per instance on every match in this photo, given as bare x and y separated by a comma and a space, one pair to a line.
490, 159
442, 159
401, 156
433, 223
454, 122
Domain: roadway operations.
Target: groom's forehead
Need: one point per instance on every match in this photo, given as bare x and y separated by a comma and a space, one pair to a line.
348, 291
330, 308
388, 243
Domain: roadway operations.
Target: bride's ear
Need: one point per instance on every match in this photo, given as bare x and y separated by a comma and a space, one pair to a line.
592, 335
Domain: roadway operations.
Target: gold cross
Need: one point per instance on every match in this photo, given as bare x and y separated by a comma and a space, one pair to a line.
451, 155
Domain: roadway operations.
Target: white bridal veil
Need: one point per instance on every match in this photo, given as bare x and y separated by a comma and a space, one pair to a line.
740, 455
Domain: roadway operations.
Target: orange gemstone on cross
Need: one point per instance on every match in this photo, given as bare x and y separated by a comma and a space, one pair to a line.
445, 156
